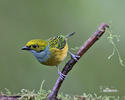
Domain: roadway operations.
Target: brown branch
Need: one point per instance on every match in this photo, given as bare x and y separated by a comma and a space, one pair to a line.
2, 97
69, 65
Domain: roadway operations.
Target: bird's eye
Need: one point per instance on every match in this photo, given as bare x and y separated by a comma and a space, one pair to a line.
34, 46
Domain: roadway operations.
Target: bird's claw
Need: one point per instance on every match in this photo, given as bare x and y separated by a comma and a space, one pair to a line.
75, 57
61, 75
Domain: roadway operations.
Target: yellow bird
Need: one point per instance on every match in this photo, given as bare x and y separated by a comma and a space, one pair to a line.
50, 52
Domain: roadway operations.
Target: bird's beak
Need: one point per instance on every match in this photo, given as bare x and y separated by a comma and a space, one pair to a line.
25, 48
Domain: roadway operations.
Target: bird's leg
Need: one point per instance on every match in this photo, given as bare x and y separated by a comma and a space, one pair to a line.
75, 57
61, 75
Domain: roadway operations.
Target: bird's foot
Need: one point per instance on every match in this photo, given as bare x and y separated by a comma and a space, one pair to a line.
61, 75
75, 57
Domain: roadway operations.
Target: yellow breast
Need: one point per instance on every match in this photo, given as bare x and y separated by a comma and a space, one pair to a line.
56, 56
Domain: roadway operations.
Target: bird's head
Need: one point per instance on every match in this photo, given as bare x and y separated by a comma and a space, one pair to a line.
36, 45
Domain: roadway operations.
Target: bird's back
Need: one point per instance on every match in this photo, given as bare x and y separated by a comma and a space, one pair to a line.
58, 42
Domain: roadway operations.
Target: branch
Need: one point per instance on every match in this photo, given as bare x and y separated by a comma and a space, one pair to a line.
69, 65
2, 97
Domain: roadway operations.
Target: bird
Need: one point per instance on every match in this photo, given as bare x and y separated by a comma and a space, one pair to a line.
51, 52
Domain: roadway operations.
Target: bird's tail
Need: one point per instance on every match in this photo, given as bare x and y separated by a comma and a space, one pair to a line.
70, 34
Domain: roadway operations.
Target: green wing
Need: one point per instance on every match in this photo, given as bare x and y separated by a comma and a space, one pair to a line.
57, 42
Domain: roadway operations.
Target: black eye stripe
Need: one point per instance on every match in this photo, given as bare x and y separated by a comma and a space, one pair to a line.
34, 46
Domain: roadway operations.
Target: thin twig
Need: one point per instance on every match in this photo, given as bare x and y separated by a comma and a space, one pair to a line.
69, 65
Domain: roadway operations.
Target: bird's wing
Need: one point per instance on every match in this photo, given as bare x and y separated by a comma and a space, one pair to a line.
57, 42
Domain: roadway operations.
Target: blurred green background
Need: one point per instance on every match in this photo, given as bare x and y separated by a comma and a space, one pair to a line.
23, 20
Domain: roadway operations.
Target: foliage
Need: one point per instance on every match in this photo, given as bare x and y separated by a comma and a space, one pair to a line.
111, 38
42, 95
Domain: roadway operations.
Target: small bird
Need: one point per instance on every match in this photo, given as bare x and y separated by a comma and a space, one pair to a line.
51, 52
